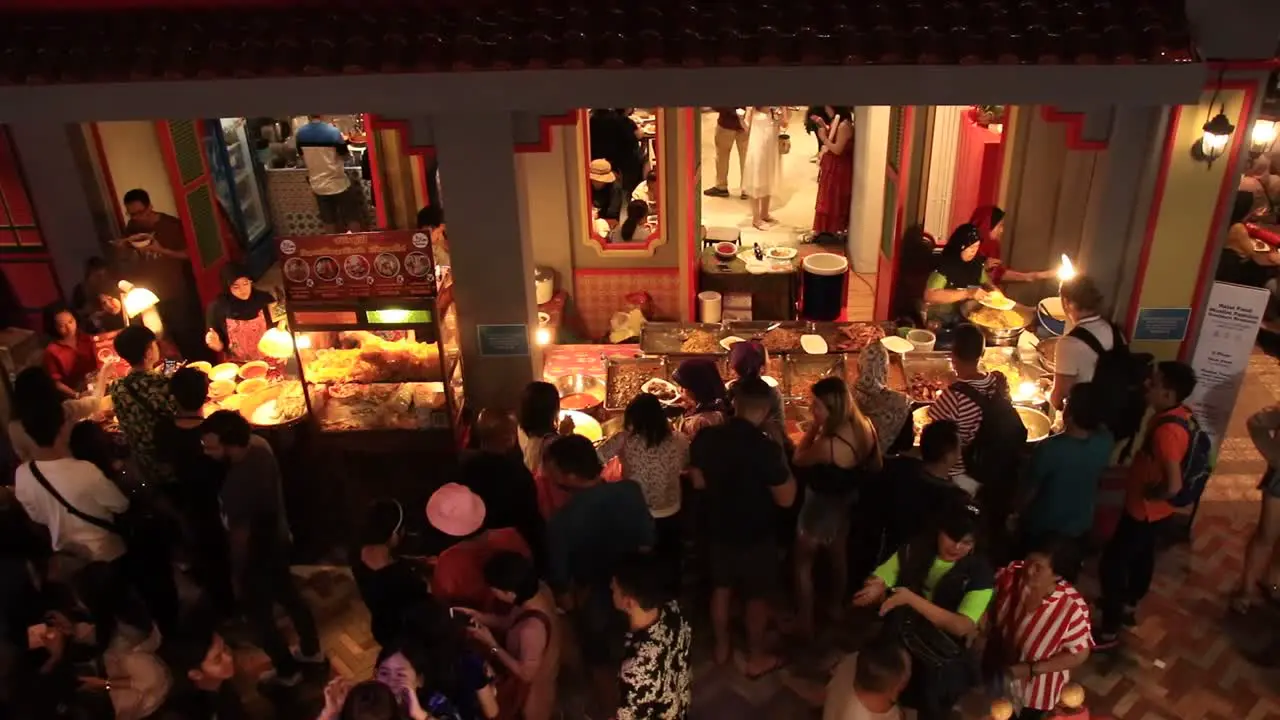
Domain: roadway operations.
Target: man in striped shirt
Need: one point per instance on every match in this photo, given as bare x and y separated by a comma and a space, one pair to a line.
952, 404
1039, 631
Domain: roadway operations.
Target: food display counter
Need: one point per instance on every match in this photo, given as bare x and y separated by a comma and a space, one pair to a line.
375, 333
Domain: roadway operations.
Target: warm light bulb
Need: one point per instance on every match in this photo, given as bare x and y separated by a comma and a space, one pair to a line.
276, 343
303, 341
1066, 271
542, 336
1026, 390
1212, 144
139, 300
1263, 135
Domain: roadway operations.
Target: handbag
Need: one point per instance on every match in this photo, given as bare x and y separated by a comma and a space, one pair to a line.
926, 642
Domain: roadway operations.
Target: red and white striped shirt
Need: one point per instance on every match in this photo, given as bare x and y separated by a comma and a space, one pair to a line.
1059, 623
956, 406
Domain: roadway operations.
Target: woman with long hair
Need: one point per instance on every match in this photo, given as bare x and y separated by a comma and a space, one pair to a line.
634, 226
654, 457
704, 394
989, 222
835, 171
748, 359
837, 454
69, 357
538, 423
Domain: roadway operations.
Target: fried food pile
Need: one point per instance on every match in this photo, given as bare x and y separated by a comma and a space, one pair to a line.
373, 360
997, 319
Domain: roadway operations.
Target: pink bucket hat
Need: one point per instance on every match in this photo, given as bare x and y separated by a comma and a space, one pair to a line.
455, 510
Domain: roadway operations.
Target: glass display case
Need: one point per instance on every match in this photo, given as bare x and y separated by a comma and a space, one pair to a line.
377, 347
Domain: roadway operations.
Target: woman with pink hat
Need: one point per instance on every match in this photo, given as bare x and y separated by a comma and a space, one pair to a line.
459, 572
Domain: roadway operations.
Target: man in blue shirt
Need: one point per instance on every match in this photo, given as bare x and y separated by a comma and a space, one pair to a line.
1062, 487
324, 151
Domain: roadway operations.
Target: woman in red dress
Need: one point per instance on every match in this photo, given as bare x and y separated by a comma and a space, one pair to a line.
835, 171
69, 357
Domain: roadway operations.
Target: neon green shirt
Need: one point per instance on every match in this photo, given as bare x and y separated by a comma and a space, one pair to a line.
972, 605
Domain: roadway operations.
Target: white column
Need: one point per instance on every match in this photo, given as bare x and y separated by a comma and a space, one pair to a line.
870, 154
492, 258
942, 169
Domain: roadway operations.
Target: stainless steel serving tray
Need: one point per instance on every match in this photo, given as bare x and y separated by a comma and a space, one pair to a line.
748, 329
830, 331
800, 372
666, 338
650, 366
926, 365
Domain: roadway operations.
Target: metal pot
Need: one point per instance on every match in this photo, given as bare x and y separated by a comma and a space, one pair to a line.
999, 336
579, 383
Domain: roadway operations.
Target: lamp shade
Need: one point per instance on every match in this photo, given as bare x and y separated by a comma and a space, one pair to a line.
276, 343
1263, 136
1216, 134
138, 300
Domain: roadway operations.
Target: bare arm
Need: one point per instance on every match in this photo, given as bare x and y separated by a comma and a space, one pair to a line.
811, 452
952, 622
1062, 660
943, 296
844, 133
1062, 385
697, 479
1262, 430
784, 495
1020, 276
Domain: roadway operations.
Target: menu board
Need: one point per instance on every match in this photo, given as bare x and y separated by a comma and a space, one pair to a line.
382, 264
1226, 340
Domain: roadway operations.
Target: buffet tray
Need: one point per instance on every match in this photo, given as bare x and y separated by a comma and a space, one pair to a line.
667, 338
617, 397
748, 329
920, 368
1007, 361
802, 371
831, 332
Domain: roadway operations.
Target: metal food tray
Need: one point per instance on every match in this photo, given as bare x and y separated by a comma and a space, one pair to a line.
830, 331
929, 364
813, 367
748, 329
666, 338
1012, 357
652, 366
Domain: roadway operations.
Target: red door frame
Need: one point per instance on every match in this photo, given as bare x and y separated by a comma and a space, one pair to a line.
208, 280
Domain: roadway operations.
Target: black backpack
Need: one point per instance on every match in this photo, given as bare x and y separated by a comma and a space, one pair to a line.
1197, 463
1120, 377
993, 456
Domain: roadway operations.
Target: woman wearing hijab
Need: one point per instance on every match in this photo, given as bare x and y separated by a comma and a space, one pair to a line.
989, 221
959, 275
703, 393
1242, 263
887, 409
238, 317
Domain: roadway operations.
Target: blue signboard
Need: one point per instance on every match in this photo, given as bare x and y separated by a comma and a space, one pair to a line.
1162, 324
503, 340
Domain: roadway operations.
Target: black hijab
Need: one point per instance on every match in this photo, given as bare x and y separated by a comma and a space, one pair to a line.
233, 307
958, 272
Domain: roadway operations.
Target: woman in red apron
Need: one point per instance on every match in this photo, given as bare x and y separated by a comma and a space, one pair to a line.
238, 317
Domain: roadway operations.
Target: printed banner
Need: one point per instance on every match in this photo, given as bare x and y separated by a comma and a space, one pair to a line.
384, 264
1225, 343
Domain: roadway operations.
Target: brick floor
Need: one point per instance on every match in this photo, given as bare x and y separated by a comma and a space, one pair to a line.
1182, 662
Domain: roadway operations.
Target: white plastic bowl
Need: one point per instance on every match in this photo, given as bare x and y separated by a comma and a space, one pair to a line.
922, 340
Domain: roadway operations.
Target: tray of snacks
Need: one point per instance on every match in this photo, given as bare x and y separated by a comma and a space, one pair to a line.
777, 337
625, 376
1005, 360
802, 371
853, 336
927, 374
684, 338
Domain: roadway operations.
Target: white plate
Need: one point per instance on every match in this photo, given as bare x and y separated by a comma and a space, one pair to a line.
768, 380
813, 344
785, 253
893, 343
1260, 246
757, 268
1003, 303
730, 341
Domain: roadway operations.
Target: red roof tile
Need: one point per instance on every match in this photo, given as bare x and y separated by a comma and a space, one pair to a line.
421, 36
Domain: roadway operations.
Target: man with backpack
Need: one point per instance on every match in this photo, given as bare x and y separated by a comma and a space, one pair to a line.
992, 436
1168, 471
1094, 351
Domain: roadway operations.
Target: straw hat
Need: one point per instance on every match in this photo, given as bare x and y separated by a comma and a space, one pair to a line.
602, 171
455, 510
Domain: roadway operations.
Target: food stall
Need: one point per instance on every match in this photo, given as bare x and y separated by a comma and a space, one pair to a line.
374, 332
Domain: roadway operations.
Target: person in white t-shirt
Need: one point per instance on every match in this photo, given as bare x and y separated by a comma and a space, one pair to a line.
81, 484
1076, 361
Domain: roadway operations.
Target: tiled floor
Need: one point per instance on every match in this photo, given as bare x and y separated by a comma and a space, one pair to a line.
1182, 662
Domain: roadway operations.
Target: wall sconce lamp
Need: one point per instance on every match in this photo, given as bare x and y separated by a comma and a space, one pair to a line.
1217, 132
1262, 137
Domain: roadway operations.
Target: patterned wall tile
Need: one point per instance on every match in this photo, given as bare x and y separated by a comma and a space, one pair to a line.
602, 293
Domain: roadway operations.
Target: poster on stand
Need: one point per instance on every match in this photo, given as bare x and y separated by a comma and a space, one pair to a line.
383, 264
1223, 347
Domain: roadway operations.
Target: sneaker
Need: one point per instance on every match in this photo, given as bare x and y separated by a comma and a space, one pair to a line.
716, 192
316, 658
1105, 640
271, 677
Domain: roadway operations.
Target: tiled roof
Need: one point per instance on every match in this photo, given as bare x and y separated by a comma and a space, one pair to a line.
373, 36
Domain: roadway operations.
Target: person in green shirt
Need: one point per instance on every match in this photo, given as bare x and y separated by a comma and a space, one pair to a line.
938, 580
960, 275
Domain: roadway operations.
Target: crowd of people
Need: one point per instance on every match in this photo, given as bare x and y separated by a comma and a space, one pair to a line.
565, 560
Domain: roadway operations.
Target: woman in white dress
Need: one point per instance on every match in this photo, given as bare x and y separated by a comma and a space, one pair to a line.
762, 170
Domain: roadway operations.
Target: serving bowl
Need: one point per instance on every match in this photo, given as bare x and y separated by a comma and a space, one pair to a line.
580, 384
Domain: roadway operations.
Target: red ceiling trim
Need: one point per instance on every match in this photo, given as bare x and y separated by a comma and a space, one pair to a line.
545, 124
1075, 128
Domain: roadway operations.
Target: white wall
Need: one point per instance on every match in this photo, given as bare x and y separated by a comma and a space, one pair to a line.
942, 169
132, 151
870, 154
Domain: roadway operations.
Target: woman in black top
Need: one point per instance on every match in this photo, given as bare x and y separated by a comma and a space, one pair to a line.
238, 317
389, 585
